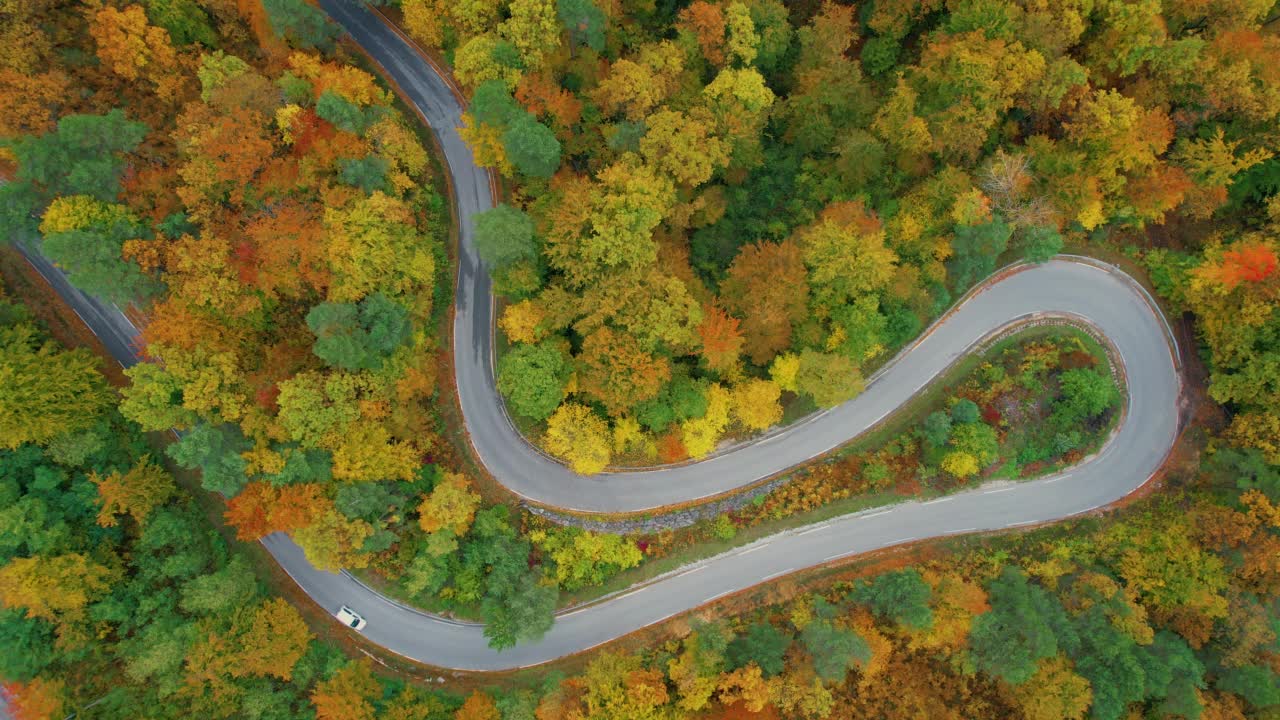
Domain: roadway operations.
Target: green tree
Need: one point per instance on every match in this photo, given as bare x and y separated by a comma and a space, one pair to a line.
185, 20
521, 613
29, 645
762, 644
1040, 243
368, 173
532, 147
215, 452
85, 237
231, 586
492, 104
936, 428
344, 114
358, 336
1083, 394
533, 378
977, 440
584, 21
303, 25
975, 251
83, 156
1024, 626
504, 236
965, 411
835, 650
1258, 685
902, 596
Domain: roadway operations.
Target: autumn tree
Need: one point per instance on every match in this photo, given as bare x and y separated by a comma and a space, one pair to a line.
134, 49
54, 587
615, 369
83, 156
766, 286
137, 492
49, 391
578, 436
450, 505
348, 695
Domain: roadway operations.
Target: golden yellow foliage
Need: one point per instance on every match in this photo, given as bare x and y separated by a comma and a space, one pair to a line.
579, 437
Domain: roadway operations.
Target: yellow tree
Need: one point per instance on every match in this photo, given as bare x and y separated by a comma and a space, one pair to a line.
579, 437
755, 403
48, 391
1055, 692
683, 146
54, 587
367, 452
348, 695
615, 229
533, 28
422, 19
636, 86
374, 247
846, 254
478, 706
273, 642
137, 492
451, 505
333, 541
746, 685
134, 49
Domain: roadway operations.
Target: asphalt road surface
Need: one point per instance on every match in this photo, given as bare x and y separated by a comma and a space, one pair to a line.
1101, 296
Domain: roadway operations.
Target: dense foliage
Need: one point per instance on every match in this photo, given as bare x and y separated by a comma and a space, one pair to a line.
748, 204
721, 214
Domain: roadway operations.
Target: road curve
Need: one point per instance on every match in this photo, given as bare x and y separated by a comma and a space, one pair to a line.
1109, 300
1104, 297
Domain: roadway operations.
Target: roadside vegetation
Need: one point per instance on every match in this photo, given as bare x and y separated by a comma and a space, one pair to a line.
718, 215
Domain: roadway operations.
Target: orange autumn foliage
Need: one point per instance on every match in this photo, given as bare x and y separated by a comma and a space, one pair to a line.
721, 339
261, 508
478, 706
706, 23
1247, 262
36, 700
671, 448
542, 95
767, 287
348, 694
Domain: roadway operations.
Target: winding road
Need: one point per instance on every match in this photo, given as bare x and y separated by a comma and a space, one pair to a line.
1085, 291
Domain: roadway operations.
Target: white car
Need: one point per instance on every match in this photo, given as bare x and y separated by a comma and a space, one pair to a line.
350, 618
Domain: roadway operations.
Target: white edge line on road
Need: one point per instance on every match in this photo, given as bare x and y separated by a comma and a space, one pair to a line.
875, 514
962, 531
999, 490
774, 575
939, 500
748, 551
1054, 480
